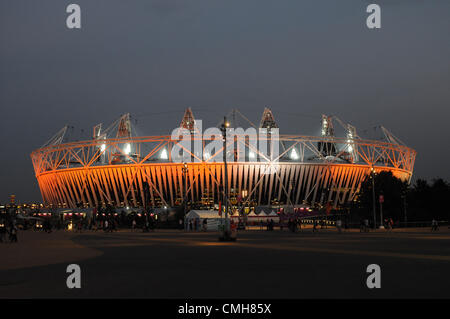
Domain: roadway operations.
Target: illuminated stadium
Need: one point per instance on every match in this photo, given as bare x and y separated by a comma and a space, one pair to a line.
118, 169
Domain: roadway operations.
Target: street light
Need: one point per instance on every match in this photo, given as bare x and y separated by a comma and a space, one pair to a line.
127, 149
294, 155
372, 173
381, 200
244, 195
404, 206
185, 169
164, 154
226, 231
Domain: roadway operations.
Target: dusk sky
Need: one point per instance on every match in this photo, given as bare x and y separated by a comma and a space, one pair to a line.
154, 58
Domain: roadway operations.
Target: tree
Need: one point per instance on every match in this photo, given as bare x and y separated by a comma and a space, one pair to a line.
421, 201
426, 201
391, 188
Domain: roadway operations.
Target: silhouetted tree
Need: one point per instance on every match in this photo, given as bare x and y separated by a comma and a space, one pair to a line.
426, 201
391, 188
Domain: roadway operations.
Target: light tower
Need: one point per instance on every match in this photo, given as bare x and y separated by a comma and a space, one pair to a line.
97, 135
188, 121
327, 126
268, 123
327, 148
351, 146
226, 235
124, 127
268, 120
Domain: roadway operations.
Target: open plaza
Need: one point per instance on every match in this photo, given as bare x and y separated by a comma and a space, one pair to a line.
414, 263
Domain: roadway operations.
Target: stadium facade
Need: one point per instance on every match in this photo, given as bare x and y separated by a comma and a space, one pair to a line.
118, 169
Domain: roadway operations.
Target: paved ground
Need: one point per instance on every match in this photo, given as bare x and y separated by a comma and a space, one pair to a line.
173, 264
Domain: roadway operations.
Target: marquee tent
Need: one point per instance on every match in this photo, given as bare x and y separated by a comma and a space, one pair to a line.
212, 217
252, 214
263, 213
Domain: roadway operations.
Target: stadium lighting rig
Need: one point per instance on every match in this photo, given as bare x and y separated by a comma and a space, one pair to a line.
113, 167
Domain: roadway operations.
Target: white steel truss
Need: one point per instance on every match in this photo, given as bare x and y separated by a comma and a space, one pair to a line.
114, 170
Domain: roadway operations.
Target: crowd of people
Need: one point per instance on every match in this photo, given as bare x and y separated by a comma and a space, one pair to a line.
110, 223
10, 225
8, 232
194, 224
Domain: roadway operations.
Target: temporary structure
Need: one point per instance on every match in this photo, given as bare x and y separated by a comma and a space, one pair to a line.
202, 214
272, 213
236, 213
262, 213
252, 218
252, 214
196, 217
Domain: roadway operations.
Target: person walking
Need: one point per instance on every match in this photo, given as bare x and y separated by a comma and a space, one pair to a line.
389, 224
79, 226
2, 232
133, 225
49, 226
146, 226
13, 234
339, 225
272, 224
434, 225
314, 226
366, 225
152, 223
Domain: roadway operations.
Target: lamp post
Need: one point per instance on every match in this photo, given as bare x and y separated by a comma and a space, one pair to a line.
146, 192
372, 173
226, 230
381, 200
244, 195
404, 206
185, 169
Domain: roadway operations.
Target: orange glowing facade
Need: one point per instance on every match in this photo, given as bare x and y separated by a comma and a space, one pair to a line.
126, 171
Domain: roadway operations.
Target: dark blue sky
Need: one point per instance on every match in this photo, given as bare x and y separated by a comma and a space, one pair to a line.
153, 58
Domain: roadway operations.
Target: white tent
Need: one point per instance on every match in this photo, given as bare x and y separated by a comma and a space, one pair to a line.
254, 219
272, 213
252, 214
262, 213
202, 214
212, 217
235, 214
